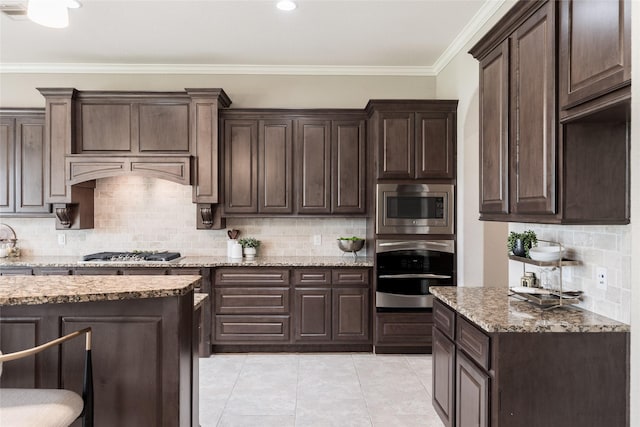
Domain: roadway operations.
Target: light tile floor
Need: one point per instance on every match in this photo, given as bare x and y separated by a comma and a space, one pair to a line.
280, 390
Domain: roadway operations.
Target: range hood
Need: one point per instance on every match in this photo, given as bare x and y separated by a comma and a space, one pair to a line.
98, 134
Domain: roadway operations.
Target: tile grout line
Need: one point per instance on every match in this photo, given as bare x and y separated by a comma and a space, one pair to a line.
361, 390
415, 374
295, 409
244, 360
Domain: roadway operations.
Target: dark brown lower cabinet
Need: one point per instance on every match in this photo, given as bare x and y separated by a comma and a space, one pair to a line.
313, 315
142, 354
472, 394
443, 375
404, 332
350, 308
527, 379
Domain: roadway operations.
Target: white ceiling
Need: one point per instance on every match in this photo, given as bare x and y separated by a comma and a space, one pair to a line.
321, 37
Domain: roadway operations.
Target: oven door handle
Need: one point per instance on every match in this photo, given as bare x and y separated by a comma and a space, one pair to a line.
410, 242
414, 276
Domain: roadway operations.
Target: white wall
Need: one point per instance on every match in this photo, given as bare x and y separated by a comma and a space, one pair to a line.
245, 91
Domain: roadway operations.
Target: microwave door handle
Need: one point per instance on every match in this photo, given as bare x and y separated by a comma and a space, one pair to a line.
415, 276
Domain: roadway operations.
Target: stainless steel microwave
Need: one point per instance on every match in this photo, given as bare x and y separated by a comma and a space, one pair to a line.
415, 209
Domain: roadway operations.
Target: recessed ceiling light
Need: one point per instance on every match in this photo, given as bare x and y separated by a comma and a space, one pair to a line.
287, 5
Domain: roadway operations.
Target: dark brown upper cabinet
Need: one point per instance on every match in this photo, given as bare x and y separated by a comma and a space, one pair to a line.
595, 55
414, 139
294, 162
533, 168
330, 173
22, 163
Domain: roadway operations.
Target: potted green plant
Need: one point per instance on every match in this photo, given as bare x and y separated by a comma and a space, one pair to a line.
520, 243
249, 246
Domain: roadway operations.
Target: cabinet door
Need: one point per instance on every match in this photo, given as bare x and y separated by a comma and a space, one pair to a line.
241, 166
435, 152
494, 131
444, 370
595, 48
350, 314
7, 162
472, 394
312, 314
30, 165
533, 115
313, 170
396, 148
348, 167
275, 166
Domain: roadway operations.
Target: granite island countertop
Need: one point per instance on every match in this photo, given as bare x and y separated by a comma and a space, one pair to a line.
494, 310
194, 261
31, 290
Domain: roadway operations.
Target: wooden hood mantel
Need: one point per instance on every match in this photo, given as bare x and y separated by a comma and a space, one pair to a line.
98, 134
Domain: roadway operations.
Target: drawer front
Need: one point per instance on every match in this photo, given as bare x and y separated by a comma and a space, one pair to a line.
145, 271
52, 271
444, 318
258, 276
350, 276
311, 277
252, 300
473, 342
97, 271
15, 271
251, 329
404, 328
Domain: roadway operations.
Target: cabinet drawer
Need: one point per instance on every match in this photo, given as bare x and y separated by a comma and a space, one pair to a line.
145, 271
15, 271
250, 329
350, 276
311, 277
259, 276
97, 271
473, 342
252, 300
52, 271
404, 328
444, 318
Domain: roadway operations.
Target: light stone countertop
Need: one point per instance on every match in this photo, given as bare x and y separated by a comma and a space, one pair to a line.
493, 310
198, 299
31, 290
193, 261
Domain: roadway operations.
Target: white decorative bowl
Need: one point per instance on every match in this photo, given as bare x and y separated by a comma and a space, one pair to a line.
545, 253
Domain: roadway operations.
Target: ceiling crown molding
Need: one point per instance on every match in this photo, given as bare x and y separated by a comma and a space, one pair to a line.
315, 70
488, 9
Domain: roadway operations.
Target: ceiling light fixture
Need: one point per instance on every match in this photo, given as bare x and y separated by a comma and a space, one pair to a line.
51, 13
286, 5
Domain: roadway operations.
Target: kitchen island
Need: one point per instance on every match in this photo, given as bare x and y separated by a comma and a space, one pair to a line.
143, 342
500, 361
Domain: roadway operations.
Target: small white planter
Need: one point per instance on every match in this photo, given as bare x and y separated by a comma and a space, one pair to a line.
250, 253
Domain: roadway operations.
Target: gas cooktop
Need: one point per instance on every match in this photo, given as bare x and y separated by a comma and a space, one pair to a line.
135, 256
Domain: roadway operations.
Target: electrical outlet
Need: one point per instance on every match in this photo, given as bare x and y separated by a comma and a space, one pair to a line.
601, 277
317, 239
62, 239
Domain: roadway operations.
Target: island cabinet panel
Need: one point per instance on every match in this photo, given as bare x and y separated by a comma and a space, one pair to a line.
142, 354
595, 49
19, 333
22, 163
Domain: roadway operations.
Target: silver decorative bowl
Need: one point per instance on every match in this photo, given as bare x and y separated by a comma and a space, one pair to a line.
352, 246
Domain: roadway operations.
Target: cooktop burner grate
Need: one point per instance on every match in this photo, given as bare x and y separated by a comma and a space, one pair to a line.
132, 256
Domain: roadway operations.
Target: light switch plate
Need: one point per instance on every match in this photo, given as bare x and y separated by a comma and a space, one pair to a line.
62, 239
317, 239
601, 277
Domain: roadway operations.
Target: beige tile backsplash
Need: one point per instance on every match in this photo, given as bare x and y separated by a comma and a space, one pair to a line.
145, 213
594, 246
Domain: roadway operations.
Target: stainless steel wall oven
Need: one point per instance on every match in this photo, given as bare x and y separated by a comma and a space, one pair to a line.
406, 268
